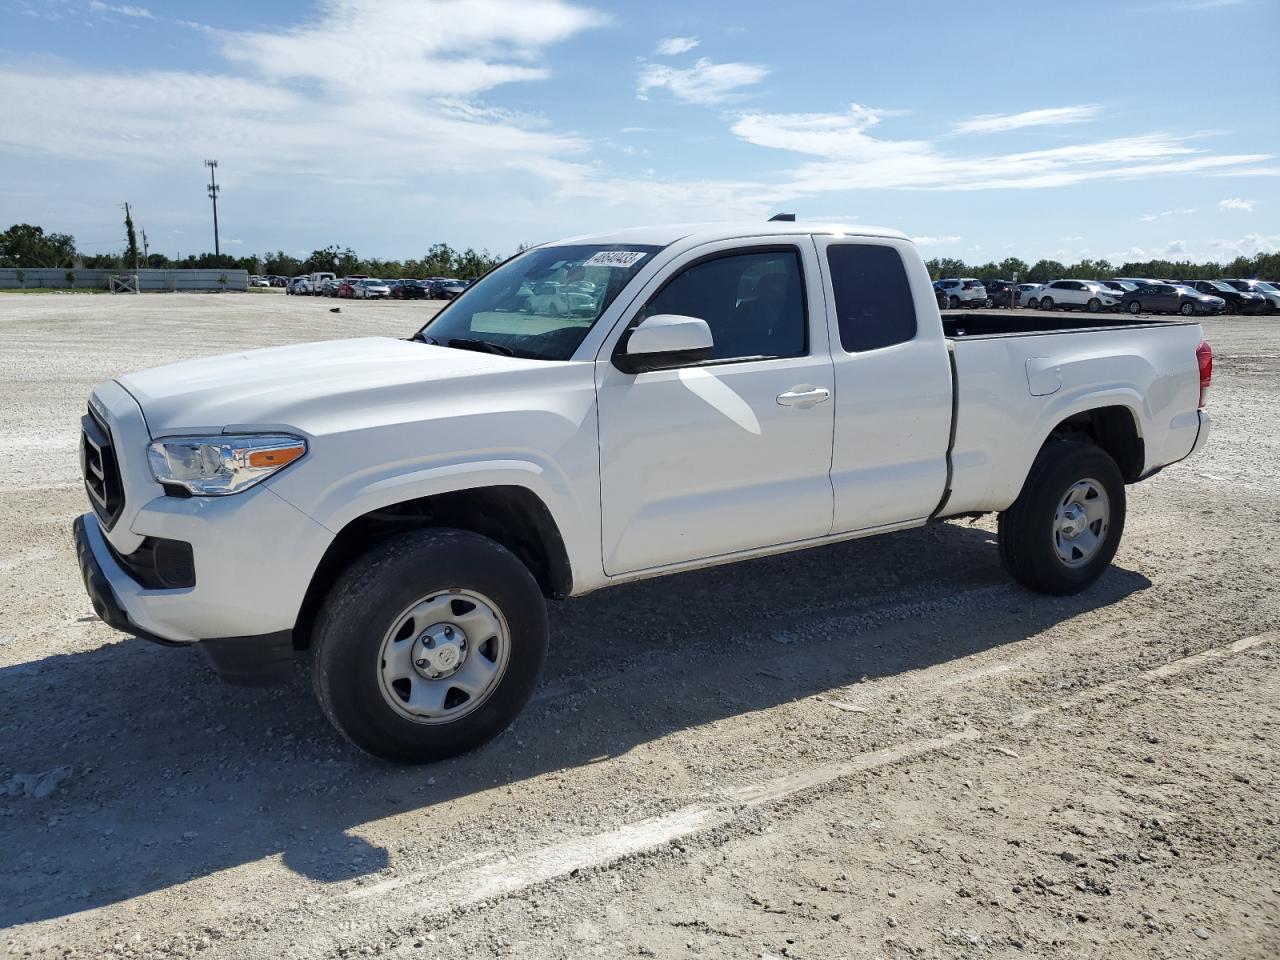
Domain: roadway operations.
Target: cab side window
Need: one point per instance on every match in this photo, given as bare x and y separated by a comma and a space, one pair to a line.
874, 305
754, 303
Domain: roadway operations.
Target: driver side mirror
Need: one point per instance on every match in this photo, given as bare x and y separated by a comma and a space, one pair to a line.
663, 342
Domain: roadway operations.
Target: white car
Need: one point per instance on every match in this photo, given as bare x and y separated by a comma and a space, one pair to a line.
299, 286
1077, 295
371, 290
259, 282
559, 300
401, 507
963, 292
1027, 293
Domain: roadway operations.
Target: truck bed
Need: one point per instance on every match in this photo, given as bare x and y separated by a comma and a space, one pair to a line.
1018, 375
958, 326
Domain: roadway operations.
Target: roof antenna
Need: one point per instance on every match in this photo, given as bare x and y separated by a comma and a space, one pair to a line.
783, 218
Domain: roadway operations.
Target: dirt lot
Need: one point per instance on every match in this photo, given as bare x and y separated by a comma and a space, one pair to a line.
876, 749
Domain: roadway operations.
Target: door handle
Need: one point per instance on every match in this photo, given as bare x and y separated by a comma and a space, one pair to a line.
804, 396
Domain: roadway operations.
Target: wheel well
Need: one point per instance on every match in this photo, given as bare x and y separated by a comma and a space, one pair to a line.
1115, 430
513, 516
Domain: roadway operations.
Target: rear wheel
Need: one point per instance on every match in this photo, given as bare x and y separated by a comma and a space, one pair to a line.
429, 645
1046, 303
988, 303
954, 303
1064, 528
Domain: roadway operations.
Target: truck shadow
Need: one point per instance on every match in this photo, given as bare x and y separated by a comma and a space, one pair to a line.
176, 776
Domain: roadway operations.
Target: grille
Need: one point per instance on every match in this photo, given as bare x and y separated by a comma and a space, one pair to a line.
101, 470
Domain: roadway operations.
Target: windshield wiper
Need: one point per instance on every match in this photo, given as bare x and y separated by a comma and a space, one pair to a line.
482, 346
423, 338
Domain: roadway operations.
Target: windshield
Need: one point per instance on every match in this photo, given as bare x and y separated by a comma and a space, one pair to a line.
1263, 285
1219, 285
542, 303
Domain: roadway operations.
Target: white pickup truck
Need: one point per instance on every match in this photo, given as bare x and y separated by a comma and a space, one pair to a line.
402, 507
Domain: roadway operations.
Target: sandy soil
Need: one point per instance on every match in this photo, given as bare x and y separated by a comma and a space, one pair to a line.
876, 749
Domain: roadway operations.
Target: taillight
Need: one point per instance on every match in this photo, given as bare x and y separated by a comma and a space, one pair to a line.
1204, 357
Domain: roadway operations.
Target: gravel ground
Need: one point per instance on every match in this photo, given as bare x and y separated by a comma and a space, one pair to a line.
875, 749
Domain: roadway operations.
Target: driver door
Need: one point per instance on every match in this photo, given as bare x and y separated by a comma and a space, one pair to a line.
732, 453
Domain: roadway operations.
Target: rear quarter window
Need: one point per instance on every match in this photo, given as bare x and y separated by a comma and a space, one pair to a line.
873, 298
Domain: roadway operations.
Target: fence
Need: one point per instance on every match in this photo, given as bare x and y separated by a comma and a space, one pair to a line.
148, 280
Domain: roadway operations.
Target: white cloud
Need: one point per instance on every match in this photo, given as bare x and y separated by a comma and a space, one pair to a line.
703, 83
674, 46
402, 98
1049, 116
437, 47
125, 10
1236, 203
850, 158
936, 241
1166, 251
1150, 217
1249, 245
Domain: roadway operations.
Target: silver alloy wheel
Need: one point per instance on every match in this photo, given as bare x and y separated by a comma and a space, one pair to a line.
443, 656
1080, 522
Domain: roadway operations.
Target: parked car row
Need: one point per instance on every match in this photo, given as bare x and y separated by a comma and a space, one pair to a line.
1133, 294
362, 287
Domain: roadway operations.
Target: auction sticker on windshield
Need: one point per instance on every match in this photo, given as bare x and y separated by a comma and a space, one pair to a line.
615, 258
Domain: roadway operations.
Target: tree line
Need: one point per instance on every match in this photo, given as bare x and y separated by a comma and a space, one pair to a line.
26, 245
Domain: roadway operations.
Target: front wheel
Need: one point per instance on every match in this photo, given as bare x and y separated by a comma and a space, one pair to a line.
1187, 309
1063, 530
954, 303
988, 303
1094, 305
1135, 307
429, 645
1033, 304
1046, 303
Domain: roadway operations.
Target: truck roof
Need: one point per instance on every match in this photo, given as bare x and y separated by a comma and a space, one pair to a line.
732, 230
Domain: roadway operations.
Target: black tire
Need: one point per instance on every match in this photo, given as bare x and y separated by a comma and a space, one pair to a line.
988, 304
364, 604
1094, 305
1046, 303
1187, 310
954, 303
1026, 529
1135, 307
1033, 304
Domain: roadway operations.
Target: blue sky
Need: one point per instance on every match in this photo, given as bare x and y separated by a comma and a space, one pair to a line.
1119, 130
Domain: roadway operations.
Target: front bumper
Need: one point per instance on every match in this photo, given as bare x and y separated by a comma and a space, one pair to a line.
252, 555
245, 661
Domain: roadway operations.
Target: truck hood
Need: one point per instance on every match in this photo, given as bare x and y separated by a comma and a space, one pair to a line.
299, 385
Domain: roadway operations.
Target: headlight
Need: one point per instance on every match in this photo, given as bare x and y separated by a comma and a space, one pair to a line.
220, 465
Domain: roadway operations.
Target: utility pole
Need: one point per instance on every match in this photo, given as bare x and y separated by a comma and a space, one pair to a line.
213, 195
